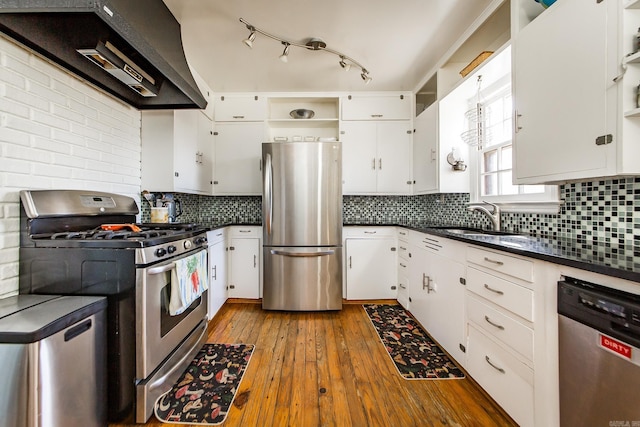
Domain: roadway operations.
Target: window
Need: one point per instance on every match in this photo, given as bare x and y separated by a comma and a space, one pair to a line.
490, 123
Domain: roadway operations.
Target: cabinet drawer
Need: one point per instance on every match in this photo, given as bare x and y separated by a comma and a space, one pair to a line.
403, 235
515, 298
403, 267
364, 231
509, 331
502, 375
215, 236
516, 267
248, 231
235, 108
403, 250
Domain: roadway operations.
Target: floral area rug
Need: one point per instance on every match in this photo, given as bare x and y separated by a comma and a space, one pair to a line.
414, 353
205, 392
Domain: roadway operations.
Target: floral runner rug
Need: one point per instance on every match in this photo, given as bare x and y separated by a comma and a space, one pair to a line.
204, 393
415, 354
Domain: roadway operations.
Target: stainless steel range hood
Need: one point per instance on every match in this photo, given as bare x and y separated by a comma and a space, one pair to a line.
130, 48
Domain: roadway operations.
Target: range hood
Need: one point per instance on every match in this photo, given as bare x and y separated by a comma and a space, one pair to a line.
130, 48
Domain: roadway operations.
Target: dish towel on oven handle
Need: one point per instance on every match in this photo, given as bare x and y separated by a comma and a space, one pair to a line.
188, 281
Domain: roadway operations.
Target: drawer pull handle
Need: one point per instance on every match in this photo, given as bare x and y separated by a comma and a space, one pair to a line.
495, 325
402, 286
493, 261
495, 291
403, 248
494, 366
402, 265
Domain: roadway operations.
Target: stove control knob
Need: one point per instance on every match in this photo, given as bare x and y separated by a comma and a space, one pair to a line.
187, 244
171, 249
160, 252
200, 240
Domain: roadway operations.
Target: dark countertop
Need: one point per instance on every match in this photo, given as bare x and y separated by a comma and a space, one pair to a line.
601, 257
597, 256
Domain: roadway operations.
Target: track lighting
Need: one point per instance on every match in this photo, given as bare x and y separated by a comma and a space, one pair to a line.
285, 54
312, 43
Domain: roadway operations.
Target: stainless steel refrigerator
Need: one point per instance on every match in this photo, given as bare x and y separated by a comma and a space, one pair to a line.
302, 226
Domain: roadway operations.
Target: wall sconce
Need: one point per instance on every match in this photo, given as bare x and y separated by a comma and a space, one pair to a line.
313, 43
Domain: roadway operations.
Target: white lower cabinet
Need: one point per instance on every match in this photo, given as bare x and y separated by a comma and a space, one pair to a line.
404, 264
512, 342
217, 270
245, 262
436, 290
505, 377
370, 262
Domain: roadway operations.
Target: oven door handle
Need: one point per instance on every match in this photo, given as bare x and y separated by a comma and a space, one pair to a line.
162, 268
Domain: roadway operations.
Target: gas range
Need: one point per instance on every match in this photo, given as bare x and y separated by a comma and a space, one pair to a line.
76, 242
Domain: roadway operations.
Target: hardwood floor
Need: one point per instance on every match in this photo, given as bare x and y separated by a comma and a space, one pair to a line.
330, 369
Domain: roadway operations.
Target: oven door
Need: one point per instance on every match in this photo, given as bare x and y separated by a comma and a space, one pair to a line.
158, 333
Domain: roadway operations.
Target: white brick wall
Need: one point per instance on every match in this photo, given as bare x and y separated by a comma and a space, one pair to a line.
57, 132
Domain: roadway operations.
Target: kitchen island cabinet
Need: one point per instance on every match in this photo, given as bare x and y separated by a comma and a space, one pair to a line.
370, 263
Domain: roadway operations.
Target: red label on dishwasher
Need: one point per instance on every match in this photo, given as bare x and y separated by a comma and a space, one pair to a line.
615, 346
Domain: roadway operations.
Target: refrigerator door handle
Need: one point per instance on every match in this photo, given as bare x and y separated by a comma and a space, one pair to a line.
268, 192
302, 254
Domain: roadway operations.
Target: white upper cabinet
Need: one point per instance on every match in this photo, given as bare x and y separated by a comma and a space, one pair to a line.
433, 143
575, 93
238, 158
393, 106
240, 107
177, 150
562, 84
376, 157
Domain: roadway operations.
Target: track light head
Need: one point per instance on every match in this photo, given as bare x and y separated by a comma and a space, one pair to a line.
249, 40
344, 64
285, 54
365, 76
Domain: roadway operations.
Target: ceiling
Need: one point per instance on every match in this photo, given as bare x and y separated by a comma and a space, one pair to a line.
398, 42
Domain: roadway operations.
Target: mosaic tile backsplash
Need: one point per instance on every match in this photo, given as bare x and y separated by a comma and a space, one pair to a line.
606, 211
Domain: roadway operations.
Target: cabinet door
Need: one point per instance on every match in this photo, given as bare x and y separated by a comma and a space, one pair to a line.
234, 108
371, 268
560, 78
218, 277
244, 268
185, 149
238, 157
425, 151
204, 155
446, 314
418, 296
394, 157
359, 157
383, 107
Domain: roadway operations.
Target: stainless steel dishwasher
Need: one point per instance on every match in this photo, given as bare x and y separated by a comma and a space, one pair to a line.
599, 341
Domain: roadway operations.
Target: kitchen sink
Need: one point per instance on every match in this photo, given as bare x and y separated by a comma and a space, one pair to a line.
463, 231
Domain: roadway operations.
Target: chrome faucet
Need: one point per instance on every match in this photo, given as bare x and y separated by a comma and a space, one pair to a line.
493, 216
